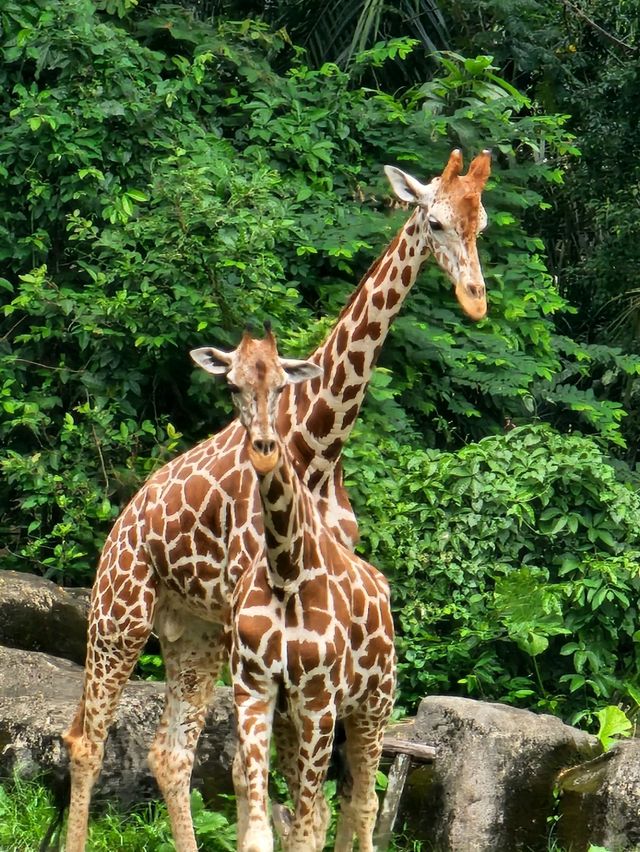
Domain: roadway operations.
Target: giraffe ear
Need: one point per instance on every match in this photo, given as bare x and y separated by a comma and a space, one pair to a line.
214, 361
300, 371
406, 187
480, 169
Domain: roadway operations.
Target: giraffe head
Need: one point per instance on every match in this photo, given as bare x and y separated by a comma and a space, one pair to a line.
256, 375
451, 217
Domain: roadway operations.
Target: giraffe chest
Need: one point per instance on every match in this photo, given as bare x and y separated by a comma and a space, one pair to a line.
330, 643
300, 640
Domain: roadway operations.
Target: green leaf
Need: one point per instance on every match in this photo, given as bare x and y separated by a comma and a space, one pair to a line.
613, 724
137, 195
533, 644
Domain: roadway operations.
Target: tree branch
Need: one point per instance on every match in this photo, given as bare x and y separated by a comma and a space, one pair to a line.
598, 28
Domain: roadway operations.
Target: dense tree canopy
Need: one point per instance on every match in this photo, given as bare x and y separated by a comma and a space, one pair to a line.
171, 171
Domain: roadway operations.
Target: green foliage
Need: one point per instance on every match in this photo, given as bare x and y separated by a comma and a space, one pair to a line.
163, 182
339, 32
25, 813
513, 565
151, 667
26, 808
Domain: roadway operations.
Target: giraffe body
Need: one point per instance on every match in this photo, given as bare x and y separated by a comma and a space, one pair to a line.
311, 636
174, 556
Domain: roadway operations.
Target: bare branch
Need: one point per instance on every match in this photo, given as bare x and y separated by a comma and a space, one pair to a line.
417, 751
598, 28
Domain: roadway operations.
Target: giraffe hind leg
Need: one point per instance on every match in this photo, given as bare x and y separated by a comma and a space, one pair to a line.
311, 818
359, 809
286, 741
242, 798
123, 604
192, 660
108, 669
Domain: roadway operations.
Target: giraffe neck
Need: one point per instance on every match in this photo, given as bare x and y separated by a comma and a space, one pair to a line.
289, 525
320, 414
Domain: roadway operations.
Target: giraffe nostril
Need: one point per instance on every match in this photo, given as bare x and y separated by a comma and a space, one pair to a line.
476, 290
264, 447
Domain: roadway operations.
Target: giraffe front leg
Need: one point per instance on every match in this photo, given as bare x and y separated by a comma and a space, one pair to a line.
287, 742
85, 760
254, 712
193, 661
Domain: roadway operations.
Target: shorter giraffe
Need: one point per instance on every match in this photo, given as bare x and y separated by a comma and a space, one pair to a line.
311, 633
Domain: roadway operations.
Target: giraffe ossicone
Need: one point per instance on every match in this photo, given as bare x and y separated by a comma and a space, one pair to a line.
311, 634
174, 556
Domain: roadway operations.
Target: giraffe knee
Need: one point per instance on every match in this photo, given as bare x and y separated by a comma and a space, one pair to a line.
364, 815
85, 755
76, 728
171, 768
158, 764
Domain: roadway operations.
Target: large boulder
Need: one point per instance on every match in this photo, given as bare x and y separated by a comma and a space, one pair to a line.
600, 804
491, 784
38, 698
37, 615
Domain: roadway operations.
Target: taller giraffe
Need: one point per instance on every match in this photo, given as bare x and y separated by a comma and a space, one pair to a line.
176, 552
316, 423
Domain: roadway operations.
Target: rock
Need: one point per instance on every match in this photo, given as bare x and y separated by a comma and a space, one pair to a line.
601, 801
491, 785
37, 615
38, 698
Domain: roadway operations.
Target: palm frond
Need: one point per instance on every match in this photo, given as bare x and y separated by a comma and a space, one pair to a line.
336, 30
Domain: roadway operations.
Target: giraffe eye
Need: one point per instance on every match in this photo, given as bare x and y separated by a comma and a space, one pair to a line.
435, 225
280, 389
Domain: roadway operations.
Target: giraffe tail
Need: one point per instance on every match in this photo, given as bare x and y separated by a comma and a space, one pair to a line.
339, 767
60, 786
282, 820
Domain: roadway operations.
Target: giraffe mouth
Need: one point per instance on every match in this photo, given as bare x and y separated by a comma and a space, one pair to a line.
264, 461
473, 300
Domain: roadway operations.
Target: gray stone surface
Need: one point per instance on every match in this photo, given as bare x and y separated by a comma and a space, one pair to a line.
38, 698
600, 804
490, 788
38, 615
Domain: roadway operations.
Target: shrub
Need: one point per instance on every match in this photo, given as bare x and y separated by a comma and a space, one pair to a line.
513, 564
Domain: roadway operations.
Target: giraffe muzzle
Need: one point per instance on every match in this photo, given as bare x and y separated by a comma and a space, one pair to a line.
472, 298
264, 455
